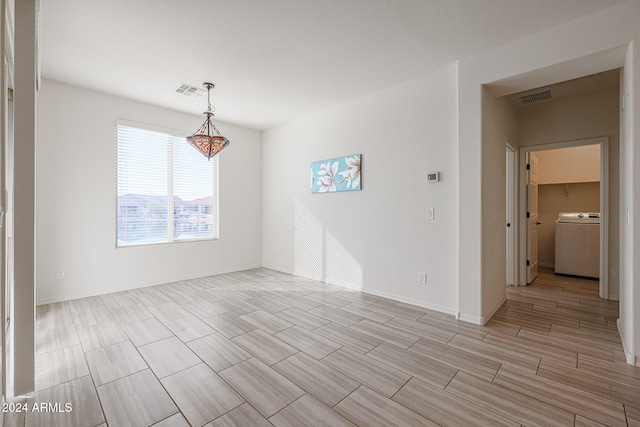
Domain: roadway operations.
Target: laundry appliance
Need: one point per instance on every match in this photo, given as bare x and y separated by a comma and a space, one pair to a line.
578, 244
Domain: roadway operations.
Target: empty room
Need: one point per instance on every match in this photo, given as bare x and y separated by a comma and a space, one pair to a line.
306, 213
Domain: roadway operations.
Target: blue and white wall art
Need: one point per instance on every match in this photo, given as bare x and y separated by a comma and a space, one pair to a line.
339, 174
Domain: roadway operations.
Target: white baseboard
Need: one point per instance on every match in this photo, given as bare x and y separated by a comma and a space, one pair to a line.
481, 320
629, 357
389, 295
278, 268
423, 304
75, 295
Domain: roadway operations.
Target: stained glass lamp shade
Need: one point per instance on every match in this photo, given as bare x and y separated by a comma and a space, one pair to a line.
208, 139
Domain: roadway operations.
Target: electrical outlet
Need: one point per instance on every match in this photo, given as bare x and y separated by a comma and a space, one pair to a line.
615, 273
431, 213
60, 274
422, 278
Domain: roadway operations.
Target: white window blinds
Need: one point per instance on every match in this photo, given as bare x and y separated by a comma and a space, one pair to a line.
166, 190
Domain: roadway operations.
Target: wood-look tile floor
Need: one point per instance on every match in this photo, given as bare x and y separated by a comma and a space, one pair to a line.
260, 348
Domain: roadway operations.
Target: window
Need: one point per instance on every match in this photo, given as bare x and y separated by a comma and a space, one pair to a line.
159, 173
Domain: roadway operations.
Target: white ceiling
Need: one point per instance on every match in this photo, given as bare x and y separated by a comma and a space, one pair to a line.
276, 60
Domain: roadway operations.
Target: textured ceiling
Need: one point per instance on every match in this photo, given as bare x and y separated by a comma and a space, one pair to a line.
274, 61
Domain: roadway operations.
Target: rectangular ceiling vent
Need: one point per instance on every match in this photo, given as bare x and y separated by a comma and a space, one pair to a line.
535, 97
190, 90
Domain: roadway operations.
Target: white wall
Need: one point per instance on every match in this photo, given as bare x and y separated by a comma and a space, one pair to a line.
482, 203
577, 164
76, 199
629, 321
376, 239
499, 125
580, 47
22, 219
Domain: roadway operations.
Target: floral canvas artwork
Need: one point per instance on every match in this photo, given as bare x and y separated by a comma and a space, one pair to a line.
339, 174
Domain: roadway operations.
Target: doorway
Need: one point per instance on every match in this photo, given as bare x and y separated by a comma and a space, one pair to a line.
528, 245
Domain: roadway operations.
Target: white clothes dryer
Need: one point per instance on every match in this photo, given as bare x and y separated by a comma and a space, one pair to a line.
578, 244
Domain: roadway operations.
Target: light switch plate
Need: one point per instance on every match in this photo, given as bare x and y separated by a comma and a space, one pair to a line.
422, 278
431, 213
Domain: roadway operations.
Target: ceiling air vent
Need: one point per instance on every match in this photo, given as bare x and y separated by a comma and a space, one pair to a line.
190, 90
535, 97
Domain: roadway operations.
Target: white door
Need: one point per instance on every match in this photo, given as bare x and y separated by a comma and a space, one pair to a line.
510, 211
532, 217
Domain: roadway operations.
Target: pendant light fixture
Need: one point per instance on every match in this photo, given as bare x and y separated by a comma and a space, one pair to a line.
208, 139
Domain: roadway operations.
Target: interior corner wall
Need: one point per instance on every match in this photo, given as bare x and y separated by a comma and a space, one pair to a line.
470, 165
377, 239
567, 43
76, 199
629, 320
499, 125
482, 201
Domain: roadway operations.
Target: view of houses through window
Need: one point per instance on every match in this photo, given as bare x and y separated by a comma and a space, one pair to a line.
167, 191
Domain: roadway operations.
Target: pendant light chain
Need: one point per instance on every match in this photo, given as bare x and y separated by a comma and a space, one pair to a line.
210, 108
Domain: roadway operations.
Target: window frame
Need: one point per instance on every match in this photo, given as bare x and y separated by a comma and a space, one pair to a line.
173, 135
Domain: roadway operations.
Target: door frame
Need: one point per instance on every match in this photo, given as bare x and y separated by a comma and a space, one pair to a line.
603, 142
511, 213
7, 27
532, 258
